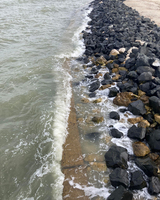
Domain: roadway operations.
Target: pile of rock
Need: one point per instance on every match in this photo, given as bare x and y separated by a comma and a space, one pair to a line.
128, 46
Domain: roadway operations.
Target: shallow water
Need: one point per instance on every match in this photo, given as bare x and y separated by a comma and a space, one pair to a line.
36, 38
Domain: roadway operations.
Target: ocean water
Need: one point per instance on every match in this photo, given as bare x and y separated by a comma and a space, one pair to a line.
37, 37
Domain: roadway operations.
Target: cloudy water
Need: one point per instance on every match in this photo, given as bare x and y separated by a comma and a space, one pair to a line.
36, 36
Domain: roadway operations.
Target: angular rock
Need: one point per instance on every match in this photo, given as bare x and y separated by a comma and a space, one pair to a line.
154, 186
116, 157
135, 120
94, 86
154, 140
137, 181
142, 69
155, 104
120, 193
140, 149
107, 76
144, 77
119, 177
101, 61
137, 108
116, 133
157, 118
123, 98
113, 92
147, 166
133, 75
114, 115
142, 60
114, 52
136, 133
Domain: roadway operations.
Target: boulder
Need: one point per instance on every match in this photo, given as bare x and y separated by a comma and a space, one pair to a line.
157, 118
155, 104
114, 115
107, 76
132, 75
116, 157
137, 132
144, 77
116, 133
123, 98
114, 52
119, 177
154, 140
113, 92
120, 193
137, 108
94, 86
140, 149
142, 69
142, 60
135, 120
147, 166
101, 61
137, 181
154, 186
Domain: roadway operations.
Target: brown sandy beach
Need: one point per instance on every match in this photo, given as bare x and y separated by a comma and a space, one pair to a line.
72, 161
147, 8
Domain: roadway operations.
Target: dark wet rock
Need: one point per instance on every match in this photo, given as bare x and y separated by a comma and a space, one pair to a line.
94, 86
94, 70
137, 181
120, 193
142, 60
144, 77
136, 132
142, 69
154, 140
106, 82
114, 115
107, 76
137, 108
123, 110
92, 136
116, 133
147, 166
92, 95
119, 177
155, 104
113, 92
154, 186
89, 76
116, 157
133, 75
130, 63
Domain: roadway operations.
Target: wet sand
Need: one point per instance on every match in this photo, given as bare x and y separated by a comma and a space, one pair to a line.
146, 8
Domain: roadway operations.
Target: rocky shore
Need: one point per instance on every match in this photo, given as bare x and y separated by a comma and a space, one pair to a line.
127, 46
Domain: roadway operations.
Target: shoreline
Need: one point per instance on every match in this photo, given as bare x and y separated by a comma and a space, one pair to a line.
70, 166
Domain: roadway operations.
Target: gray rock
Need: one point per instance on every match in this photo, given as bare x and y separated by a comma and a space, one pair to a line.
137, 181
137, 108
116, 133
116, 157
144, 77
94, 86
147, 166
154, 140
154, 186
142, 69
155, 104
119, 177
137, 132
120, 193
